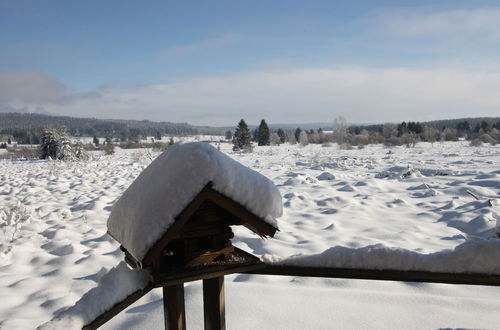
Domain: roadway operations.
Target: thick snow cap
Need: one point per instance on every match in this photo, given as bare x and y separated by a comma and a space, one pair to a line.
147, 209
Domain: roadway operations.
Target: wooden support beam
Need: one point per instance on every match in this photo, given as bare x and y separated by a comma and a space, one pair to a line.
214, 306
173, 307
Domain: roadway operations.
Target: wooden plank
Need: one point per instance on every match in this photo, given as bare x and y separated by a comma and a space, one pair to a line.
383, 275
214, 306
173, 307
117, 308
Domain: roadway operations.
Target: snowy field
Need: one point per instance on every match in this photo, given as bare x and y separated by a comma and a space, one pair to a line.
54, 246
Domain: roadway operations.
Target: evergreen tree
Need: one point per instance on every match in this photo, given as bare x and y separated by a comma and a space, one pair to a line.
54, 144
255, 135
263, 136
228, 135
282, 135
95, 140
297, 134
241, 137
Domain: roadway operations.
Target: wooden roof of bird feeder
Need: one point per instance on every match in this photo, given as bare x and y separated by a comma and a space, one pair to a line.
177, 214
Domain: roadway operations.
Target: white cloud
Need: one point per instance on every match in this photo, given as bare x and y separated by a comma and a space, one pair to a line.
460, 24
21, 89
204, 44
363, 95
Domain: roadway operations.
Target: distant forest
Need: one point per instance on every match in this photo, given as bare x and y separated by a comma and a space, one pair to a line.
460, 124
26, 128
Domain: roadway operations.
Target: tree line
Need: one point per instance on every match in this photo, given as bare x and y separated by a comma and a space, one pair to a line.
405, 133
26, 128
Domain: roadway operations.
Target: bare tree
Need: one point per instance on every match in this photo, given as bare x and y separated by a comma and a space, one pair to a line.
339, 130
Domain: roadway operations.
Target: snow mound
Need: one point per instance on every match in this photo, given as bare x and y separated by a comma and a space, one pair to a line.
475, 256
325, 176
112, 288
148, 208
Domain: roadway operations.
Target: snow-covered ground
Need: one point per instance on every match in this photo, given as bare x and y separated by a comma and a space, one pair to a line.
54, 245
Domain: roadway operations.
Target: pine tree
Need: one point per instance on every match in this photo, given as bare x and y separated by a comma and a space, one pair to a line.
95, 140
241, 137
263, 136
297, 133
54, 144
282, 135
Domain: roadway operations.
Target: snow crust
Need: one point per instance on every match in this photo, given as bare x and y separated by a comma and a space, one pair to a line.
112, 288
149, 206
475, 256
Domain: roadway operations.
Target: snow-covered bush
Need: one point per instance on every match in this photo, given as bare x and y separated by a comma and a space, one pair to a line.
486, 138
11, 218
109, 147
79, 150
476, 143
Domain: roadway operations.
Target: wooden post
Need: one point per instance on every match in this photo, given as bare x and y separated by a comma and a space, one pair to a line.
214, 307
173, 307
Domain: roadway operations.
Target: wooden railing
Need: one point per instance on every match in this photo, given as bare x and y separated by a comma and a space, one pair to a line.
382, 275
213, 288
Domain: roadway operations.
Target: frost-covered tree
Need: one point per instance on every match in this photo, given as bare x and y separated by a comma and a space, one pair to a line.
241, 137
79, 150
263, 134
340, 130
54, 144
431, 134
275, 139
228, 135
109, 147
303, 139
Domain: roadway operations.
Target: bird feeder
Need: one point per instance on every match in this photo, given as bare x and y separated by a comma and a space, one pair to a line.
193, 242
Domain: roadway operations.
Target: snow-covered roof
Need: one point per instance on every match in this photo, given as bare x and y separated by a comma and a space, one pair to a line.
148, 208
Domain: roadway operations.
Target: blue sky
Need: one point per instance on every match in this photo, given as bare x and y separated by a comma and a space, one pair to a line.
214, 62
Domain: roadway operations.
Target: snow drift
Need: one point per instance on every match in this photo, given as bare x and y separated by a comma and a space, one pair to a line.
475, 256
112, 288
